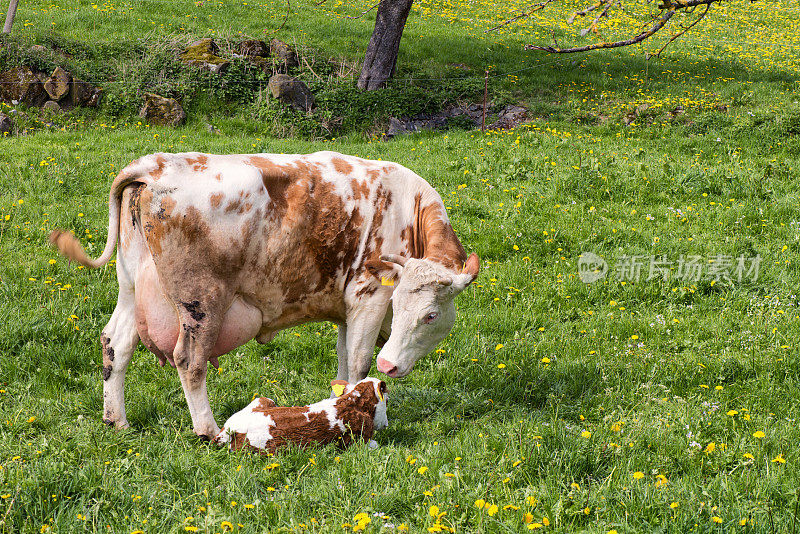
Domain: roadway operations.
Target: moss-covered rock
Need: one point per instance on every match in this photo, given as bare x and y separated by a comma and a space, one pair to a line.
203, 54
22, 84
162, 111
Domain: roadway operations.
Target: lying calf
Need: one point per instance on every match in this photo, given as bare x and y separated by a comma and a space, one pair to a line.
356, 412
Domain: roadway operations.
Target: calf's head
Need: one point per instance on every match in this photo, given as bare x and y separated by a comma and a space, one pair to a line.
423, 311
368, 395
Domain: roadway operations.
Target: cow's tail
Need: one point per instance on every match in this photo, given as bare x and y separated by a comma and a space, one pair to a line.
69, 246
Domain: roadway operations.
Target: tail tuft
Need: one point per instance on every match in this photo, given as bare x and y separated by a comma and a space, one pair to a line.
69, 247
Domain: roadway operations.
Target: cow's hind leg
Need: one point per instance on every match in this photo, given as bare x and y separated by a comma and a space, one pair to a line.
200, 326
118, 341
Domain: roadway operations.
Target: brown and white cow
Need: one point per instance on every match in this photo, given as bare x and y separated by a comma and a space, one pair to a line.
215, 250
357, 411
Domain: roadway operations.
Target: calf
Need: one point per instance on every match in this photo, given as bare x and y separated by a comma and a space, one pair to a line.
355, 414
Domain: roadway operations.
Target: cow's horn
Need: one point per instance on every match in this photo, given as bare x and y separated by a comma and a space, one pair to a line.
395, 258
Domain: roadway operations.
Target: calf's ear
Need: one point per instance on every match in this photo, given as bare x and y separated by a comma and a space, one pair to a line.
339, 386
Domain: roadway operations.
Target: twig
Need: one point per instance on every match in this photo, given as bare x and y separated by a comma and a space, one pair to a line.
534, 9
285, 17
485, 92
684, 30
309, 68
13, 500
771, 522
593, 25
364, 12
584, 12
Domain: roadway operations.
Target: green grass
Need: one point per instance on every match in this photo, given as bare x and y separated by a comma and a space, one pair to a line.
541, 401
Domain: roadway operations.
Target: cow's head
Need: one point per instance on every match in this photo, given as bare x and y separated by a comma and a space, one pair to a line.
422, 310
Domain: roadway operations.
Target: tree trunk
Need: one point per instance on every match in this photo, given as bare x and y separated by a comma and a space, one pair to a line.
381, 57
12, 11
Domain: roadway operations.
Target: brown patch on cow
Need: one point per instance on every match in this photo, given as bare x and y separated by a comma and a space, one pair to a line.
264, 404
239, 441
366, 291
198, 163
374, 248
215, 200
360, 189
233, 205
342, 166
373, 174
218, 177
431, 237
366, 401
161, 162
106, 372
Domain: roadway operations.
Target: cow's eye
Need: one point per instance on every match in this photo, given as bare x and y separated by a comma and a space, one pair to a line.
431, 317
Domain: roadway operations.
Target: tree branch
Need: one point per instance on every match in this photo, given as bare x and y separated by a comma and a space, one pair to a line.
668, 9
684, 29
616, 44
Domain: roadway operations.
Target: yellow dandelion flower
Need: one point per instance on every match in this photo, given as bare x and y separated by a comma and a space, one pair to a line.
638, 475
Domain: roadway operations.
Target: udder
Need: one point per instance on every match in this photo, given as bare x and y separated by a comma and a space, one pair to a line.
158, 323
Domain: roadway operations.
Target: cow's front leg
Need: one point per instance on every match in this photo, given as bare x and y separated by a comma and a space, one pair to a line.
363, 327
118, 341
342, 372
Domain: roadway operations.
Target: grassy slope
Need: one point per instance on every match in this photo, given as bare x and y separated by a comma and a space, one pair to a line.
579, 405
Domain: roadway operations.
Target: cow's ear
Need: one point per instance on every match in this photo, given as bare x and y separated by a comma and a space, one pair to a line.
470, 271
339, 387
387, 273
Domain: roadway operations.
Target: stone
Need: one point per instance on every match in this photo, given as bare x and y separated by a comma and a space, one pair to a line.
51, 106
253, 48
80, 93
203, 54
202, 46
6, 126
509, 117
22, 85
396, 127
57, 85
162, 111
291, 91
283, 53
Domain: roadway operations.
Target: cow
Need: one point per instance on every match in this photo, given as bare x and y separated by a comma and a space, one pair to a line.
354, 414
215, 250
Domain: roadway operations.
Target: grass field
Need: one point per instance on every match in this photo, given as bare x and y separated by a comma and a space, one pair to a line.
554, 405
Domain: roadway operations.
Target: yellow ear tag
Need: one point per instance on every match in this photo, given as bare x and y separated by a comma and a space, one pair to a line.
387, 281
338, 389
380, 396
